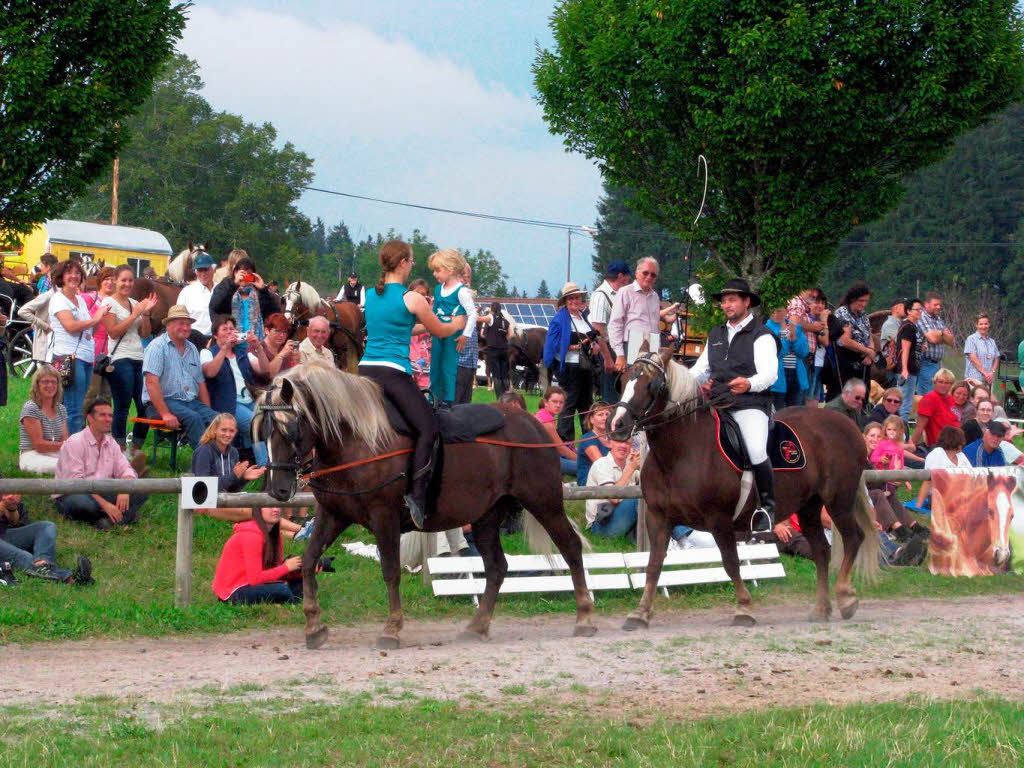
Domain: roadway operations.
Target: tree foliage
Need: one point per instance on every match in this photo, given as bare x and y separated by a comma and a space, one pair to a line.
543, 292
488, 277
811, 114
70, 75
193, 173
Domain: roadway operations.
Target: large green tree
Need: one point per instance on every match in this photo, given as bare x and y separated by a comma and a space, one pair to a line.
70, 75
488, 277
193, 173
811, 114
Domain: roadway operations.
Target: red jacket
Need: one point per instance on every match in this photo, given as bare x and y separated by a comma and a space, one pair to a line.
241, 562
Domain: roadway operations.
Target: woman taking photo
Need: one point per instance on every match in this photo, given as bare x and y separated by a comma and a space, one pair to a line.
43, 425
568, 343
126, 323
391, 321
281, 354
72, 338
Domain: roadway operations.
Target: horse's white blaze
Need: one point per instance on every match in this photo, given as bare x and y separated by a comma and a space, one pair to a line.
1005, 510
627, 397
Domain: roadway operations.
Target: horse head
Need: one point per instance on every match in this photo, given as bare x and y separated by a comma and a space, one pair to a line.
279, 424
1000, 489
645, 393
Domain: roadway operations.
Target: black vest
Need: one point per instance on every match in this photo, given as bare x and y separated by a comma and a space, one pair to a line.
496, 334
726, 361
351, 292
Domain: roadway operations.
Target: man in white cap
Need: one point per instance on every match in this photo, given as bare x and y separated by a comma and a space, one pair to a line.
174, 385
741, 356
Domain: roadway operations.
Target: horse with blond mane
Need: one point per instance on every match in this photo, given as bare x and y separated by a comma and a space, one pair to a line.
317, 417
687, 480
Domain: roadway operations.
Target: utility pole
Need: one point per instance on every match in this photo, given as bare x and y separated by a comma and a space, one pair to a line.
113, 191
568, 254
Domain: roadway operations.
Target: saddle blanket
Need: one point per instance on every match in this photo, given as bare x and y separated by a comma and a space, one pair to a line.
459, 424
785, 450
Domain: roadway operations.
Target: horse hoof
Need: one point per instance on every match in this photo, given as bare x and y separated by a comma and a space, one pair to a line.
850, 608
468, 636
633, 623
315, 639
743, 620
584, 630
388, 643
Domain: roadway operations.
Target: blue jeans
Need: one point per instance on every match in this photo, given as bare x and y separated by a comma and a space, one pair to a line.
621, 521
194, 415
272, 592
126, 388
924, 377
84, 508
568, 466
606, 384
907, 389
23, 546
74, 396
244, 416
815, 390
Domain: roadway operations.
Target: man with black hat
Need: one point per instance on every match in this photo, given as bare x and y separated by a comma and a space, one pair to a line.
352, 291
742, 357
615, 277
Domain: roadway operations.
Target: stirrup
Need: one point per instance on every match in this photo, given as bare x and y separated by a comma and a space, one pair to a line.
761, 521
414, 511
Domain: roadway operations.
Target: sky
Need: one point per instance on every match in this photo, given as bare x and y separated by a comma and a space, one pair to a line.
424, 102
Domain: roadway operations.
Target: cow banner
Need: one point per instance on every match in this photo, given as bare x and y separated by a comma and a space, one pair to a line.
977, 521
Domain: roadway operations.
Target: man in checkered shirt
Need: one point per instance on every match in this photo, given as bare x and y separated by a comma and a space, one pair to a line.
933, 337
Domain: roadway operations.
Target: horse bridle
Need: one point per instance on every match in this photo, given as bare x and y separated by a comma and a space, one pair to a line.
292, 434
647, 419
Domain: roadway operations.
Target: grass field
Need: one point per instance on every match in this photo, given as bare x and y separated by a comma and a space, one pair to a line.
254, 731
134, 569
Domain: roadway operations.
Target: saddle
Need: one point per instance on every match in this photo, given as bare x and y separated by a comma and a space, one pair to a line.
785, 451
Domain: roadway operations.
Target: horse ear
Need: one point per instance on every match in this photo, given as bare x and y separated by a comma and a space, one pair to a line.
645, 347
666, 355
287, 391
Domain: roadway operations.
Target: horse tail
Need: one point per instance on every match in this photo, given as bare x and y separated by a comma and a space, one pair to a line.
866, 564
539, 542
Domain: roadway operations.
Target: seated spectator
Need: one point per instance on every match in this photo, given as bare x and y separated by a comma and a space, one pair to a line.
93, 453
245, 297
974, 427
621, 467
313, 349
281, 353
935, 410
43, 427
888, 406
594, 443
174, 386
551, 404
987, 451
789, 536
252, 568
32, 547
850, 402
513, 398
961, 394
948, 454
791, 385
230, 379
890, 514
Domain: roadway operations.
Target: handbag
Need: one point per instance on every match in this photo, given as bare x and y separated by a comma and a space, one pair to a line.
65, 367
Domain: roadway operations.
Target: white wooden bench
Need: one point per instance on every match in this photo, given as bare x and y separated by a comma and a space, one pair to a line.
677, 570
468, 583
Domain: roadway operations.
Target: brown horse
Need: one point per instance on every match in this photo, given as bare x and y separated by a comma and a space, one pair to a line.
525, 349
340, 418
971, 524
302, 301
167, 297
686, 480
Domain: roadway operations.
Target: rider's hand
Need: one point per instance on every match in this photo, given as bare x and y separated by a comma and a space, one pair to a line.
739, 385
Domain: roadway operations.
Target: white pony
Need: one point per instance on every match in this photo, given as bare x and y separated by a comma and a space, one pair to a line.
180, 269
300, 294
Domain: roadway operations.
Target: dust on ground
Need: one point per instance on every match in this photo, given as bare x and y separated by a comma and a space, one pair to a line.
689, 664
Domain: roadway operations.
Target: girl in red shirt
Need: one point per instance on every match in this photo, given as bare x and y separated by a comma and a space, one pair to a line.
252, 568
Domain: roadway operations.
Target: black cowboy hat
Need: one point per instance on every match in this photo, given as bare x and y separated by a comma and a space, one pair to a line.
742, 287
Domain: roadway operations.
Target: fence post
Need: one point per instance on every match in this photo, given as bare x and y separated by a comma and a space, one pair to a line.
183, 557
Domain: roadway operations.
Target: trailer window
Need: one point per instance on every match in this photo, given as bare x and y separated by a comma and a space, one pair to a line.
138, 265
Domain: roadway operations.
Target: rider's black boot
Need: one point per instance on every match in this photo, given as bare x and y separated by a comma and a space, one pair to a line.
763, 518
416, 498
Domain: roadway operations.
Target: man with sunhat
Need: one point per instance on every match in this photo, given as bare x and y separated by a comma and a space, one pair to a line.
741, 356
195, 297
352, 291
175, 389
616, 276
568, 347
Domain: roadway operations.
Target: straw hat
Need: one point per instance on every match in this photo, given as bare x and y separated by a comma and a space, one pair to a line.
570, 289
178, 312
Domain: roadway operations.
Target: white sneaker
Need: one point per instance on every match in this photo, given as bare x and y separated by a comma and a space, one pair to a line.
673, 545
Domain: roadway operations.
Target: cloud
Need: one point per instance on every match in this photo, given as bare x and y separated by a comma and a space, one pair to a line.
384, 118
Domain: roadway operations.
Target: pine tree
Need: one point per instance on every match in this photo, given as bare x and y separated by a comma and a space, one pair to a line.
543, 292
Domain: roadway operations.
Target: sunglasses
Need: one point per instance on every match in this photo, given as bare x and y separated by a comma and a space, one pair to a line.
895, 400
647, 273
858, 398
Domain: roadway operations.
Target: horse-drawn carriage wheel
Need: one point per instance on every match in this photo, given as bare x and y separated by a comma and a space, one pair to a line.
19, 354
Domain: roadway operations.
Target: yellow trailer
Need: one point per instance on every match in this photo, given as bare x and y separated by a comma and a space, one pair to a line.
113, 245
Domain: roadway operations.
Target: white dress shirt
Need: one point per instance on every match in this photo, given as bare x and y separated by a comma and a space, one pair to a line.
766, 359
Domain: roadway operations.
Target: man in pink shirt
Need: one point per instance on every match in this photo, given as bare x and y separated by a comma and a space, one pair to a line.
93, 453
635, 310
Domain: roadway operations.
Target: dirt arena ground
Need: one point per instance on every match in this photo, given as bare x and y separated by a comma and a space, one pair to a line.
690, 662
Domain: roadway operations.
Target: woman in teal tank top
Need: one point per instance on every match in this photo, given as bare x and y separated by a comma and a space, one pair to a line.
391, 321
